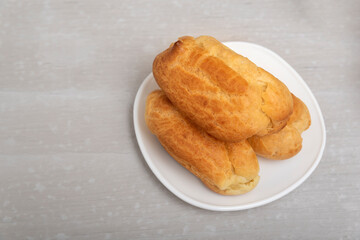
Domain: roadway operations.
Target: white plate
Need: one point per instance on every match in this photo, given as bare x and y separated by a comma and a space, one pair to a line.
277, 178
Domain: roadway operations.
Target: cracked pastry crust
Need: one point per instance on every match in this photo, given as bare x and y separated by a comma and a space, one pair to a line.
222, 92
287, 142
226, 168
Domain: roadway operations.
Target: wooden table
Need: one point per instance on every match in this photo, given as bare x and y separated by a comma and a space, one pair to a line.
70, 166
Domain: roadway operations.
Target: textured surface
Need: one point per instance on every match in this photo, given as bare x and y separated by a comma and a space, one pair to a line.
70, 167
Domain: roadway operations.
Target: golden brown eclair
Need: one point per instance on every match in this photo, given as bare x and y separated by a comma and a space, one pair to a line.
226, 168
287, 142
222, 92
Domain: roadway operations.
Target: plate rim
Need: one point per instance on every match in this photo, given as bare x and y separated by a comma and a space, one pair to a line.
254, 204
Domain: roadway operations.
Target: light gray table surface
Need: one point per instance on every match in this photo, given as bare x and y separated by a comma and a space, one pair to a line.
70, 166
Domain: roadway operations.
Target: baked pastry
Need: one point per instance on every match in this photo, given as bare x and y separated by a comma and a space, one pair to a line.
288, 141
226, 168
222, 92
